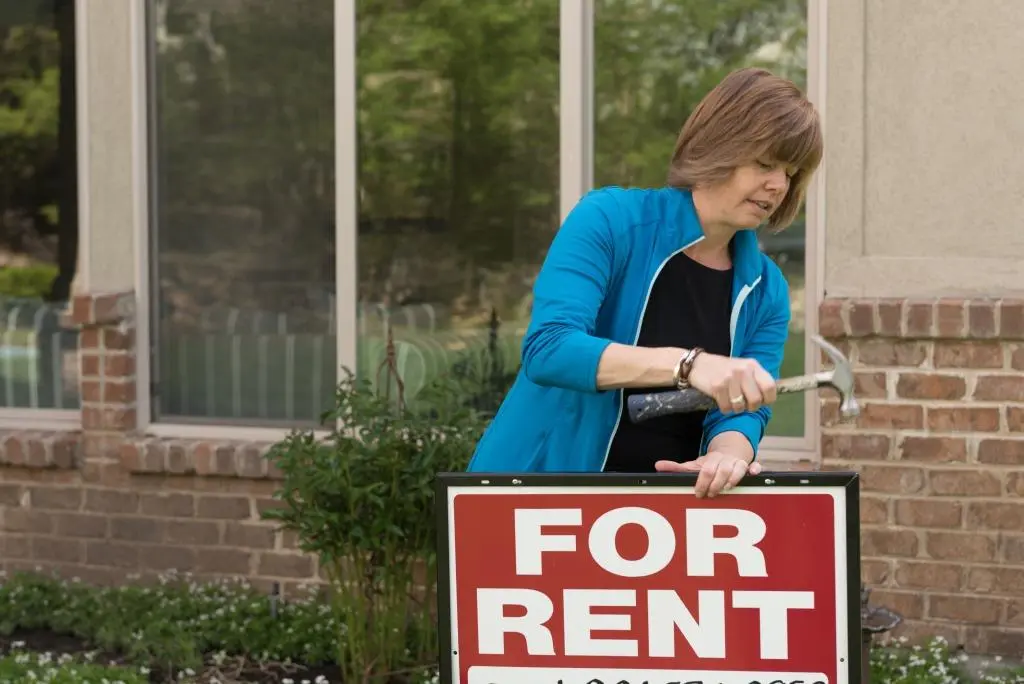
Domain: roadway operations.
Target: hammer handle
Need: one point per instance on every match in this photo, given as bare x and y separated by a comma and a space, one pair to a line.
655, 404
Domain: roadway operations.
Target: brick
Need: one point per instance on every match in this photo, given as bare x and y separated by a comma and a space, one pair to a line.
888, 353
10, 494
118, 340
830, 318
224, 461
951, 318
57, 549
1015, 484
1004, 642
1017, 358
192, 533
960, 546
992, 515
249, 462
164, 558
926, 513
137, 529
1001, 452
962, 419
877, 541
112, 554
854, 446
1011, 319
928, 575
963, 483
906, 603
1015, 418
981, 319
999, 388
111, 501
14, 452
89, 339
892, 479
968, 354
223, 507
890, 317
875, 571
871, 385
168, 505
118, 391
285, 565
23, 520
874, 511
89, 365
81, 309
965, 608
249, 536
876, 415
116, 365
80, 525
861, 318
996, 580
1012, 548
930, 386
920, 319
56, 498
933, 449
179, 459
223, 561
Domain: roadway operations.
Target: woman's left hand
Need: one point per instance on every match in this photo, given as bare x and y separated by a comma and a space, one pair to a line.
719, 471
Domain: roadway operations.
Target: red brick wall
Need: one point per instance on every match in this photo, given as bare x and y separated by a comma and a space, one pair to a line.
104, 502
940, 448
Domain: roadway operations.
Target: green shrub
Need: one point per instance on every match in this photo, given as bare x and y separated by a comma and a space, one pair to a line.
896, 662
29, 282
362, 500
41, 668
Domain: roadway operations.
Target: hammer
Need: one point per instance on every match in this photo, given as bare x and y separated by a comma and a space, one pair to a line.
651, 405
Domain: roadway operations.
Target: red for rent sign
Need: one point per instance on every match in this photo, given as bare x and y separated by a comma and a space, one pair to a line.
563, 579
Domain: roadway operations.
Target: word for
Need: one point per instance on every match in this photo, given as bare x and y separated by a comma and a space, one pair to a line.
531, 541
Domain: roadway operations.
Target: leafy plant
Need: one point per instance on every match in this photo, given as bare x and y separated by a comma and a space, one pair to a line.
42, 668
362, 500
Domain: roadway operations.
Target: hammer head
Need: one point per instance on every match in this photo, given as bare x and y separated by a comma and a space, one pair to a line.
841, 379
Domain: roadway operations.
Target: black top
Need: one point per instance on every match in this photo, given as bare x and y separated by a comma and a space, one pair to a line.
690, 306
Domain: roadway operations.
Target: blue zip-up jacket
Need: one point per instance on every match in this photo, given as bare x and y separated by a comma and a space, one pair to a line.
592, 290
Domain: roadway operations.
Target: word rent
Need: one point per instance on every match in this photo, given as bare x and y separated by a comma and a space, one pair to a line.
666, 613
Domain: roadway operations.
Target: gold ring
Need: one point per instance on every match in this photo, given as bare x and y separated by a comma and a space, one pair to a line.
736, 401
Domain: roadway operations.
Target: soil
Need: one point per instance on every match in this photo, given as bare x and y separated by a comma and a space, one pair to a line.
232, 671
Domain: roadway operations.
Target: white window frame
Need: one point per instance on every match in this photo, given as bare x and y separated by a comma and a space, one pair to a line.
576, 178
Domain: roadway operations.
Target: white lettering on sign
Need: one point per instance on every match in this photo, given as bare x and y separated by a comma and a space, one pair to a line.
661, 542
702, 544
586, 611
493, 624
580, 622
774, 607
666, 612
531, 542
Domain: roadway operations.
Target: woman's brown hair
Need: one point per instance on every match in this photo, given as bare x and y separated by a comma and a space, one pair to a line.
752, 115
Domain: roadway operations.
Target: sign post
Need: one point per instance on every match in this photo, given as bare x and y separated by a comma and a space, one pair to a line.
625, 579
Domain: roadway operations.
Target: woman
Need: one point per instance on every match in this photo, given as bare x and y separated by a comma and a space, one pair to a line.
653, 289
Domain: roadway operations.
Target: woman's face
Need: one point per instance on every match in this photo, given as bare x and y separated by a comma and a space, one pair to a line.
753, 193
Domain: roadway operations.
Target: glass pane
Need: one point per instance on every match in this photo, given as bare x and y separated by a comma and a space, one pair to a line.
458, 182
243, 249
38, 204
654, 60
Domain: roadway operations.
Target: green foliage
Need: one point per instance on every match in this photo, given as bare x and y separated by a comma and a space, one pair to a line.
362, 500
933, 663
173, 624
41, 668
30, 282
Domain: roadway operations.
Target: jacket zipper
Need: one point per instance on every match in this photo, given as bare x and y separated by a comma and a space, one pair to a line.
636, 337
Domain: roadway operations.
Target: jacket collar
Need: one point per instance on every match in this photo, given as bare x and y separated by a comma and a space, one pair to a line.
747, 262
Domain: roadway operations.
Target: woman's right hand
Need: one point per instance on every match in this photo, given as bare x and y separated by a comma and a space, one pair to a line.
736, 384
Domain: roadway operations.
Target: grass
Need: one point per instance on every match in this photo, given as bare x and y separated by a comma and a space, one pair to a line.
180, 631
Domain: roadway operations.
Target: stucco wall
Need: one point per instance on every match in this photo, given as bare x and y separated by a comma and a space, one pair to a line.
925, 130
105, 129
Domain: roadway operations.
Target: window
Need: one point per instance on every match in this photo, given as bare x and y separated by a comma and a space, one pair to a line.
38, 207
242, 272
459, 184
653, 61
